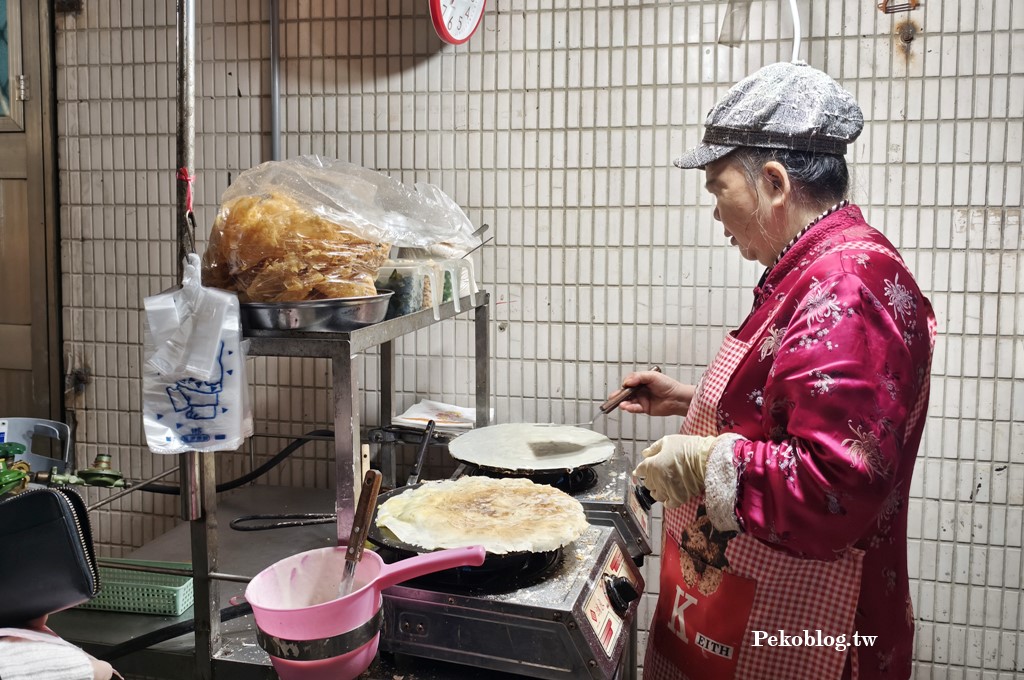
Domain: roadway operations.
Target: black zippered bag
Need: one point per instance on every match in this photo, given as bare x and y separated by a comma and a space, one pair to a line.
47, 562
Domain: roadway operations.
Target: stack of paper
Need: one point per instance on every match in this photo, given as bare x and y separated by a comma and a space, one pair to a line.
446, 417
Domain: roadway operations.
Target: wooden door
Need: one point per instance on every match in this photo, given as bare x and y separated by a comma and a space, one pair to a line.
29, 349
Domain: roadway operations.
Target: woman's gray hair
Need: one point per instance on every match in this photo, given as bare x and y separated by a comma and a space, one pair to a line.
819, 180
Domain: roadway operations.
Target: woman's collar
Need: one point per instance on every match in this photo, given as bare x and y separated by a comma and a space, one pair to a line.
811, 234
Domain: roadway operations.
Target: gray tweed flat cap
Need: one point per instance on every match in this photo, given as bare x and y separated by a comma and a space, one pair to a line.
788, 105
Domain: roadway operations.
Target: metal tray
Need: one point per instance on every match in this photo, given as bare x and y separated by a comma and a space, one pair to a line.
334, 316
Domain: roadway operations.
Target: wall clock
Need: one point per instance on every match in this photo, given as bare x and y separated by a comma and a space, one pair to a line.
456, 20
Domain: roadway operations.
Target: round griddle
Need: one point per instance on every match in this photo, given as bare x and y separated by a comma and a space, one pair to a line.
527, 448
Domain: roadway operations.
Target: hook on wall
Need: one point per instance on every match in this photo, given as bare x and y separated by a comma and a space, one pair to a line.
888, 7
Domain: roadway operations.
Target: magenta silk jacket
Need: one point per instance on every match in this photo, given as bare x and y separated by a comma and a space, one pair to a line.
822, 401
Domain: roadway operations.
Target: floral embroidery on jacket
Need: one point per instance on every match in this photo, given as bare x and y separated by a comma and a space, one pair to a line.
890, 579
876, 304
900, 298
889, 381
770, 343
834, 506
893, 503
726, 423
864, 451
821, 304
884, 661
784, 457
823, 384
861, 259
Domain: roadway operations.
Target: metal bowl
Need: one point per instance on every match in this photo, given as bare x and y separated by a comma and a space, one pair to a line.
334, 315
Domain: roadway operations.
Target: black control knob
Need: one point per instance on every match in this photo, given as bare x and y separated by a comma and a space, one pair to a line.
620, 593
644, 496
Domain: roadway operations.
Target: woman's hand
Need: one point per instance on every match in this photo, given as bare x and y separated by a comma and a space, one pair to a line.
659, 395
674, 467
101, 670
39, 624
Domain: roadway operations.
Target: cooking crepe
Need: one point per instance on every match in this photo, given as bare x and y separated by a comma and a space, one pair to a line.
503, 515
526, 446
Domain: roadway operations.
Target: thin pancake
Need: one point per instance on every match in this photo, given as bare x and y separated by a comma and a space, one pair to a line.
503, 515
532, 447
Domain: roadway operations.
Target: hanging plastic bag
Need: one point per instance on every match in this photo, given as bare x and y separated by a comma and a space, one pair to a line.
194, 386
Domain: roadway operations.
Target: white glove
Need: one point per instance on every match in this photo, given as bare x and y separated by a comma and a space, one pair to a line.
673, 468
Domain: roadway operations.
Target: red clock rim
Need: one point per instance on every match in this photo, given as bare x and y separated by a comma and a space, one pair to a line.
437, 18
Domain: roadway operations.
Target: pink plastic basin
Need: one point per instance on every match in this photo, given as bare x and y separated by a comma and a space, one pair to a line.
296, 599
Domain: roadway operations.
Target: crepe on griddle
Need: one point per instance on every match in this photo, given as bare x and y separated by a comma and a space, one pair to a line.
532, 447
503, 515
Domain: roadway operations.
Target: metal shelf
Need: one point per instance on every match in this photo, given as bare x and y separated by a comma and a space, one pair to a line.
198, 470
345, 352
318, 344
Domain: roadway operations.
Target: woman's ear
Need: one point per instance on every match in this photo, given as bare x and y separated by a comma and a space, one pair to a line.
777, 184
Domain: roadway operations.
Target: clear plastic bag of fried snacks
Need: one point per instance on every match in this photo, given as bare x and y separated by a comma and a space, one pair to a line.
312, 228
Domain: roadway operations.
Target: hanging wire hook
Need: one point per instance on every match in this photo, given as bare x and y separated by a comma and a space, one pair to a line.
888, 8
795, 14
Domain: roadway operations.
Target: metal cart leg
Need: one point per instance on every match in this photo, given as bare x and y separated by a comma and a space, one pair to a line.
346, 435
199, 506
387, 412
482, 351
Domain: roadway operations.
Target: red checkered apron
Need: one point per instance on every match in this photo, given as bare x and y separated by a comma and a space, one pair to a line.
704, 623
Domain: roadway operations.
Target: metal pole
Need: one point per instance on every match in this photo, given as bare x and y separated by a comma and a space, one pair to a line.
275, 80
185, 158
482, 352
346, 436
136, 487
198, 472
215, 575
387, 411
204, 564
186, 131
186, 135
191, 501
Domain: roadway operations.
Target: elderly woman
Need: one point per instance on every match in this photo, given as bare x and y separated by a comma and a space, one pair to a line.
786, 495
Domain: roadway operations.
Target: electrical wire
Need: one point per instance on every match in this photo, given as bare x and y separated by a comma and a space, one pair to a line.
294, 445
795, 15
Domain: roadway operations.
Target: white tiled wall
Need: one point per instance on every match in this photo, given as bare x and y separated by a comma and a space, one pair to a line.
556, 125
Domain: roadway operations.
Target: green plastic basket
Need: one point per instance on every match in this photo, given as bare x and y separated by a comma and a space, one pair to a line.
139, 592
